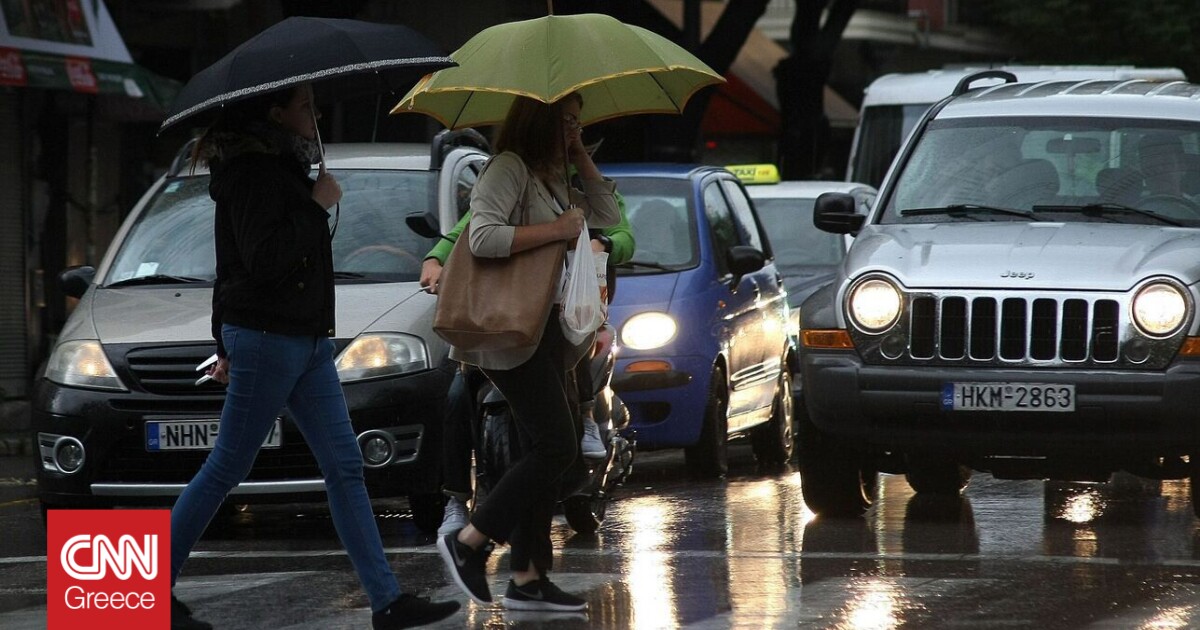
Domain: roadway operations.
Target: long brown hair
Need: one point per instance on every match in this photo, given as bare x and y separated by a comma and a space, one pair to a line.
534, 131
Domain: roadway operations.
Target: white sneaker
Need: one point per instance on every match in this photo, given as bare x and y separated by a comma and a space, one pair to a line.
591, 445
454, 518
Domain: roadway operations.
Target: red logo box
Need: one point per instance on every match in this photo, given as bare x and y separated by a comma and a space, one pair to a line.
108, 569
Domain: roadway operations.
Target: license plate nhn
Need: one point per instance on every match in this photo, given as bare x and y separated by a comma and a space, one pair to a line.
196, 435
1008, 397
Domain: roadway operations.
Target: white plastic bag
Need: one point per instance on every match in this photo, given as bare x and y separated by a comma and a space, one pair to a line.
583, 304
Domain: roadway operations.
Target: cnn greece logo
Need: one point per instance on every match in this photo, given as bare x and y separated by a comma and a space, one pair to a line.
103, 568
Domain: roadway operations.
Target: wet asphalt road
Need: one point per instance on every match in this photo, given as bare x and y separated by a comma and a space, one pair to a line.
740, 553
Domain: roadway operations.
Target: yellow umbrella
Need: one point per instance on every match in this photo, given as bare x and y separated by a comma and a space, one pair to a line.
618, 68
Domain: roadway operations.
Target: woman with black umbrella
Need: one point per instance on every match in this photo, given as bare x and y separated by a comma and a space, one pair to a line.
273, 319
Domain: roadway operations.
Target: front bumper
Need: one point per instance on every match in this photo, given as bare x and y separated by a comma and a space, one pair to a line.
1118, 413
118, 470
666, 409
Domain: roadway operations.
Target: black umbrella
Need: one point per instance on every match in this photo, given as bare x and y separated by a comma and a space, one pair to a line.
338, 56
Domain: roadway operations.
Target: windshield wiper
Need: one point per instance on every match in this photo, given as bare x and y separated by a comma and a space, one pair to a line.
644, 263
964, 209
157, 278
348, 275
1101, 209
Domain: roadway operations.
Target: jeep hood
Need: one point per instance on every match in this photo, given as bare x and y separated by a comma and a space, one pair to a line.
178, 314
1084, 256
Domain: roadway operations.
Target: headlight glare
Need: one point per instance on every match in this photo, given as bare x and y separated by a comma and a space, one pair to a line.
646, 331
82, 363
372, 355
875, 305
1159, 309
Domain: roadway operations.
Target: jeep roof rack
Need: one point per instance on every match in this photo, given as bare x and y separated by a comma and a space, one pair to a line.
964, 84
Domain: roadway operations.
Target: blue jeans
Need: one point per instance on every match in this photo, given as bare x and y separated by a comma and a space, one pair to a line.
266, 372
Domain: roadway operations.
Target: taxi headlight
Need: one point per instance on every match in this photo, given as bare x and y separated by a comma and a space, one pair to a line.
373, 355
875, 305
82, 363
1159, 309
646, 331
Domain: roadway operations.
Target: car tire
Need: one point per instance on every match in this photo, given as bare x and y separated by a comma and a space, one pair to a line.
938, 476
427, 510
834, 478
708, 457
774, 442
585, 513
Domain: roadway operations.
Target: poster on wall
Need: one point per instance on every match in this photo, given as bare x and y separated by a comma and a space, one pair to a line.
71, 28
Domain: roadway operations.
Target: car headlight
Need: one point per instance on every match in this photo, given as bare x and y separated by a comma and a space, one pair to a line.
82, 363
875, 305
1159, 309
646, 331
381, 354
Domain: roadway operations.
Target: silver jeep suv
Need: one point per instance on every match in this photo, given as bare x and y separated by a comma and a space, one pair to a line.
1021, 300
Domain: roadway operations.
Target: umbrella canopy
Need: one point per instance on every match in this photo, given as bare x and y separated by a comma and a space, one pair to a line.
331, 52
618, 68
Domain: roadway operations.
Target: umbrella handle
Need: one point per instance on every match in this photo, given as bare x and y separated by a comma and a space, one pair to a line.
317, 128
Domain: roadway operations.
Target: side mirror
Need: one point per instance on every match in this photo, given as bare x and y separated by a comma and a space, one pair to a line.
744, 259
835, 213
423, 224
74, 281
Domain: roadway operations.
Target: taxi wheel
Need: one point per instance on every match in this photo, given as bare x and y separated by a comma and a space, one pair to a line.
773, 442
708, 457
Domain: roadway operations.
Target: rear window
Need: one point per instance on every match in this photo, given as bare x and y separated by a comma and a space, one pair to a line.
173, 236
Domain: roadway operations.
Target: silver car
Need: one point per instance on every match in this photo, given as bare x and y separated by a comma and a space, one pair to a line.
1020, 300
119, 414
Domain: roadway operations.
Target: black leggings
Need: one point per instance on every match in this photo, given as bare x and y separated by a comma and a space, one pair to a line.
520, 508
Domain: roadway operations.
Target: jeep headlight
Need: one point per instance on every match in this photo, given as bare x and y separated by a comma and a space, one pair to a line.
82, 363
875, 305
372, 355
646, 331
1159, 309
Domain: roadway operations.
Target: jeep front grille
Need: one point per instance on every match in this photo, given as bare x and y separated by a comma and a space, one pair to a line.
1030, 329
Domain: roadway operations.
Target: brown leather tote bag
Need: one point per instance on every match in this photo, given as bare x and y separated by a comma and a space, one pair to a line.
497, 303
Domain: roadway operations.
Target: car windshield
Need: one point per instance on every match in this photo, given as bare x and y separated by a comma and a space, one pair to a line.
663, 223
1051, 169
794, 240
172, 238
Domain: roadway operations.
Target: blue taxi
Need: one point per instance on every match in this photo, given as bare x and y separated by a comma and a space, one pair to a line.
701, 310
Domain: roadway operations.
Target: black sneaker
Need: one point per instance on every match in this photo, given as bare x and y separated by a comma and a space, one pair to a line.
466, 566
541, 594
182, 619
408, 611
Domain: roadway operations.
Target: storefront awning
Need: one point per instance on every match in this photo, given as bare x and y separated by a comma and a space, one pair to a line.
73, 45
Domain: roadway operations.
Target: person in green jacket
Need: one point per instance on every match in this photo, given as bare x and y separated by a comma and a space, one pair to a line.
458, 437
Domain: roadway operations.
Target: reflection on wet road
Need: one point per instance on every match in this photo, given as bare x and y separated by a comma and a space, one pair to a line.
740, 553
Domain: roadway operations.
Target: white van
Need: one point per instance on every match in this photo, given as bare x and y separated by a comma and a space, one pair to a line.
893, 103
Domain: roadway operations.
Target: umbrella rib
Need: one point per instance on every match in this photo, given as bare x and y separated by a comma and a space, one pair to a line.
664, 90
462, 109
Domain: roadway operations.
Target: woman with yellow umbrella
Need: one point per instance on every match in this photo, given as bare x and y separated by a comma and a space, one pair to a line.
545, 79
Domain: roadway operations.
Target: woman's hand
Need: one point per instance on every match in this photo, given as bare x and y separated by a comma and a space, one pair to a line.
326, 192
569, 223
219, 371
431, 272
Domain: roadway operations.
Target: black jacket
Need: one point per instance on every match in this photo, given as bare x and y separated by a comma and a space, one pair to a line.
274, 256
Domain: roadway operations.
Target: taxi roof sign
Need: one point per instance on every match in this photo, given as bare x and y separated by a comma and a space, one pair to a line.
755, 173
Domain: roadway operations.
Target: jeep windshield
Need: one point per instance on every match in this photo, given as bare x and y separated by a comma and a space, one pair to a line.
1108, 170
172, 239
